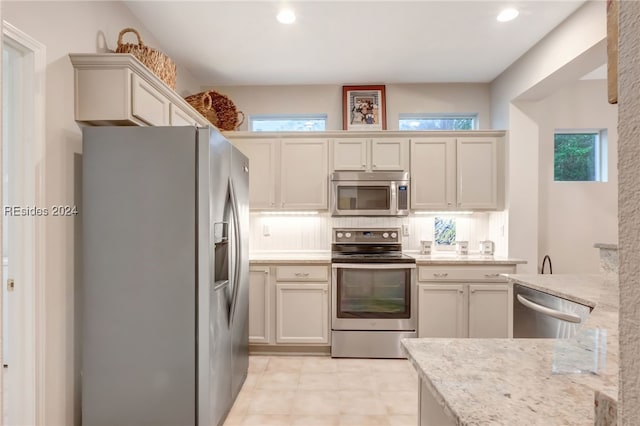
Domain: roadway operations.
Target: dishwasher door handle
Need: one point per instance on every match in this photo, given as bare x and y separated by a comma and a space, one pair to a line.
564, 316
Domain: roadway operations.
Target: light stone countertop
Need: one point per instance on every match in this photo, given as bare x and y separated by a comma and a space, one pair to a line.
510, 381
470, 259
302, 257
325, 257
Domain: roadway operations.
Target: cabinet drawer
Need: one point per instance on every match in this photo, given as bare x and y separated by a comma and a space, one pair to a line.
302, 273
464, 273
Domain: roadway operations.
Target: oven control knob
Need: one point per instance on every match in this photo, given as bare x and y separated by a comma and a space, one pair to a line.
393, 235
339, 235
385, 235
348, 235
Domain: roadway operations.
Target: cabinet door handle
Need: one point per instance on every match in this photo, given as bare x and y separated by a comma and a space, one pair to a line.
441, 275
301, 274
496, 275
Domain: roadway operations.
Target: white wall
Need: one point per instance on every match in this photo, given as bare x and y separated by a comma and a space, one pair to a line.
574, 48
400, 98
575, 215
68, 27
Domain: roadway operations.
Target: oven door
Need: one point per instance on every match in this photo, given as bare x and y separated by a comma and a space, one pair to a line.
357, 198
368, 296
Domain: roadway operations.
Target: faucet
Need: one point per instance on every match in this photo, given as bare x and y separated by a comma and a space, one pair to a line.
544, 261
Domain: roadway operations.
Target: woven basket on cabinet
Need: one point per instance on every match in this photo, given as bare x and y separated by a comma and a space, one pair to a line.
157, 62
229, 118
201, 102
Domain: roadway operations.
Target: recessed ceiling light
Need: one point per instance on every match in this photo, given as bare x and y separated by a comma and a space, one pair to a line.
508, 15
286, 16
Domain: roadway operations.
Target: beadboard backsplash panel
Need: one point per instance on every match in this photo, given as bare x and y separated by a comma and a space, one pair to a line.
285, 233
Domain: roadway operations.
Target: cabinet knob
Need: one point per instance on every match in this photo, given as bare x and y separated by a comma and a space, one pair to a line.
375, 166
461, 291
273, 204
364, 166
473, 290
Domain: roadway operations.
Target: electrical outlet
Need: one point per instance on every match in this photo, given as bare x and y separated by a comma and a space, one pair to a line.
265, 230
405, 230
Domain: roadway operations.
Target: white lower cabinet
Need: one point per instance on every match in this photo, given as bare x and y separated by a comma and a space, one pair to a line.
442, 310
488, 310
289, 305
259, 305
302, 313
460, 301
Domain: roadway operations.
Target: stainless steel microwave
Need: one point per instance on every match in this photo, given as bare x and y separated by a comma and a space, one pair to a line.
370, 194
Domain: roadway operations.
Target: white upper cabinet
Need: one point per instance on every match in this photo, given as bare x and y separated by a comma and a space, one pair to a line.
389, 154
287, 174
117, 89
454, 173
350, 154
378, 154
304, 174
433, 173
477, 175
263, 171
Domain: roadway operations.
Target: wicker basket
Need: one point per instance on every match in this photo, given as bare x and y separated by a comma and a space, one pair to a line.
229, 118
201, 102
159, 63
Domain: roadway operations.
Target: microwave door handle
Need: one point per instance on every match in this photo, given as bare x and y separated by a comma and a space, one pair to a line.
393, 203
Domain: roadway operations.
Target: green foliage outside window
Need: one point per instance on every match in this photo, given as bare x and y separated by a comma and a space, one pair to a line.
575, 156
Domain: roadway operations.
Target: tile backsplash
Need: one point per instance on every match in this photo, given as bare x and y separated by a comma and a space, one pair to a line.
313, 232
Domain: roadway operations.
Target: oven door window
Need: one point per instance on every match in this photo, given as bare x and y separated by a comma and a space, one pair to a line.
373, 293
363, 197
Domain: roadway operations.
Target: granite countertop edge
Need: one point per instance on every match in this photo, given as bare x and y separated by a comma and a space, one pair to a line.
603, 315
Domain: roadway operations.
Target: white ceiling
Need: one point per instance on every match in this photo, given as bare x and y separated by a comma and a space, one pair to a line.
347, 42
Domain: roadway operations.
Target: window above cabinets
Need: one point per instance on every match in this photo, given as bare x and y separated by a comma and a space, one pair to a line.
288, 123
438, 121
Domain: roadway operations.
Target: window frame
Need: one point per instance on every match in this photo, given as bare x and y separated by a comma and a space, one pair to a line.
286, 117
438, 116
601, 172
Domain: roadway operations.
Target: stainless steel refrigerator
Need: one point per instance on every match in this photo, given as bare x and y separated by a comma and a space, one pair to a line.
165, 276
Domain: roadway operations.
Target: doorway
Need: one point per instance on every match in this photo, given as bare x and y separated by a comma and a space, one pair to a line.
23, 69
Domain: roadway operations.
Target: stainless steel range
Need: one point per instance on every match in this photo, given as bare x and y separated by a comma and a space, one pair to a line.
374, 295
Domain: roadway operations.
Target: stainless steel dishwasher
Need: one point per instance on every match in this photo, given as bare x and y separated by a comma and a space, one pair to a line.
542, 315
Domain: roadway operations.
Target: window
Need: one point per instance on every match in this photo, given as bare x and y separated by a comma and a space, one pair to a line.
288, 123
580, 155
438, 122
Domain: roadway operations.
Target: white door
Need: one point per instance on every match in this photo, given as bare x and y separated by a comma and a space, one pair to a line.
350, 154
263, 160
441, 310
23, 221
477, 173
304, 174
488, 310
433, 173
302, 313
389, 154
259, 312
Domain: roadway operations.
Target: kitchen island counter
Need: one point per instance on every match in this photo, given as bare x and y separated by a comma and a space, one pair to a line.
510, 381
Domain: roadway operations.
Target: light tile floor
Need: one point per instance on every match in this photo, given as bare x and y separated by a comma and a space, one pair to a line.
322, 391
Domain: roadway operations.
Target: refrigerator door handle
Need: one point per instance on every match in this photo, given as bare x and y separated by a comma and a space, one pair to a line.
220, 285
237, 249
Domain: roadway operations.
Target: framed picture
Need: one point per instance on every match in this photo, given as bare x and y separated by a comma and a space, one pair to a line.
363, 108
